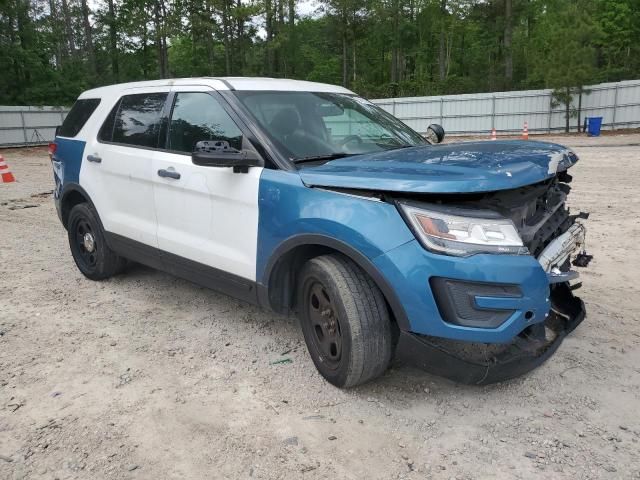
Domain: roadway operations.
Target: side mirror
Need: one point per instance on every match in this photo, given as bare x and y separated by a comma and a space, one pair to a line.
218, 153
435, 133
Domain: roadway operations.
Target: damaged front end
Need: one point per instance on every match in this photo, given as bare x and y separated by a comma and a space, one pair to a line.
556, 238
485, 363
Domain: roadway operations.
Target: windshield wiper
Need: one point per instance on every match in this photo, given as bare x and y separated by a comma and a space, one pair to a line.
328, 156
398, 147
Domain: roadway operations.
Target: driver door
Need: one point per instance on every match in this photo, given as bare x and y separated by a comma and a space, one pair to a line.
207, 216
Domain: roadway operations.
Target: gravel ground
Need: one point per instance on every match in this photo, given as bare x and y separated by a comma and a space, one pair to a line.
146, 376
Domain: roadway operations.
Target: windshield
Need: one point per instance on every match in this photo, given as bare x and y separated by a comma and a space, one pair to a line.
316, 126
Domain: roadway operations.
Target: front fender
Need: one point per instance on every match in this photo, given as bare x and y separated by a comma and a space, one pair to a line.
292, 214
289, 208
317, 240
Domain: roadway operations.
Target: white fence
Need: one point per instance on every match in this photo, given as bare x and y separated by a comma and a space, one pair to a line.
618, 104
29, 125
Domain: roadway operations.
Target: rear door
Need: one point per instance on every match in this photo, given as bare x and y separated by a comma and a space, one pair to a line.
208, 215
118, 168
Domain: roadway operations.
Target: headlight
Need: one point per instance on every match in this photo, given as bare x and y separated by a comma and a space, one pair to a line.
462, 232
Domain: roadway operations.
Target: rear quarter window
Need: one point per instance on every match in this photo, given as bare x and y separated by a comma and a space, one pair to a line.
135, 120
78, 116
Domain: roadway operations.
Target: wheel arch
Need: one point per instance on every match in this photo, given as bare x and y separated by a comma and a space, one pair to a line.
278, 282
72, 195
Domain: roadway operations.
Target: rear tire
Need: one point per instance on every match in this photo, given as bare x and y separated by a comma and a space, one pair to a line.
89, 249
345, 321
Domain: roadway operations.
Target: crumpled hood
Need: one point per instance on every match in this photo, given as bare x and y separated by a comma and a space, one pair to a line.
455, 168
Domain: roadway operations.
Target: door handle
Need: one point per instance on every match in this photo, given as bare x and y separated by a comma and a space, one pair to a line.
94, 158
168, 174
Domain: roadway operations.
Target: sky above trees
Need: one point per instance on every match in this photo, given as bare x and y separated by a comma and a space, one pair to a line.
378, 48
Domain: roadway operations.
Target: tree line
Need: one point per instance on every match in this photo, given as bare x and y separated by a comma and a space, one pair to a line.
51, 50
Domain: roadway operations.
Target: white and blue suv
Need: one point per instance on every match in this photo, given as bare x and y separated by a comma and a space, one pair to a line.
303, 197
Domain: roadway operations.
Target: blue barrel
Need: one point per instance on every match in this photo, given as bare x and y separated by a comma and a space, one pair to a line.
593, 126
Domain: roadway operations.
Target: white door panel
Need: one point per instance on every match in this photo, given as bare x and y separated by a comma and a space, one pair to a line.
209, 215
121, 185
122, 190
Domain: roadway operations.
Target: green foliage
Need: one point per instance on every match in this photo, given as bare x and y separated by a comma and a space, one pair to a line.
378, 48
566, 43
568, 68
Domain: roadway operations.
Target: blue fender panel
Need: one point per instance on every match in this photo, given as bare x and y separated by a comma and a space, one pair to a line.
408, 269
66, 161
288, 208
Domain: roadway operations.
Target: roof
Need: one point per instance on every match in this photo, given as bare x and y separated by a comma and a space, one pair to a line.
281, 84
225, 83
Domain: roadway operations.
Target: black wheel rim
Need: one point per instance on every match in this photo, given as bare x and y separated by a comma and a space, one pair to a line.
325, 330
85, 243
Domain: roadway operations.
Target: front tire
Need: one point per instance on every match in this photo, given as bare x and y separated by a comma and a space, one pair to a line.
345, 321
89, 249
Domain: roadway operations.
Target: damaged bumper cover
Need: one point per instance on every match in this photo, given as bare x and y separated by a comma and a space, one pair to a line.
560, 251
483, 363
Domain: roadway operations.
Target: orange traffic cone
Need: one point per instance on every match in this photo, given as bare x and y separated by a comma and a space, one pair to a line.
494, 136
5, 174
525, 131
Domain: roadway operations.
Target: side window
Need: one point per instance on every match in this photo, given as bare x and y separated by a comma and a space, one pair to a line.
198, 116
78, 116
137, 121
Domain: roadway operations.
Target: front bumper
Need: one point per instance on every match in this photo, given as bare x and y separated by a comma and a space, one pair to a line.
409, 270
482, 363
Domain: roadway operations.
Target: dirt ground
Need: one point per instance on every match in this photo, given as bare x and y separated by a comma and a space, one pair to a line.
146, 376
